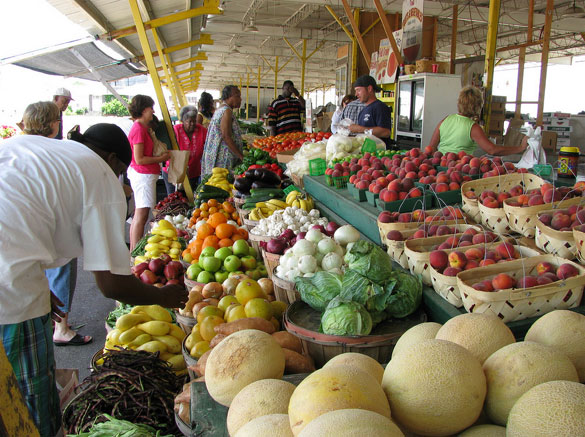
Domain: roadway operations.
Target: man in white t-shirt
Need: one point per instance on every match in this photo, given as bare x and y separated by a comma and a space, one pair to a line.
61, 200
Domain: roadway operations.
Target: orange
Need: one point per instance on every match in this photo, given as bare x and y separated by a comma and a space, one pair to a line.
235, 216
207, 325
226, 242
212, 202
204, 214
204, 230
243, 232
228, 207
196, 212
211, 240
212, 210
216, 219
204, 206
237, 237
196, 248
224, 230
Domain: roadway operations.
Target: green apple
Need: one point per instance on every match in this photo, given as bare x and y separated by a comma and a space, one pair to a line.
205, 277
193, 271
237, 272
253, 274
223, 253
210, 263
248, 262
253, 252
241, 248
232, 263
221, 276
208, 251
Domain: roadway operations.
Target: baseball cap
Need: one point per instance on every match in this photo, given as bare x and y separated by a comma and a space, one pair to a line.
365, 81
110, 138
63, 92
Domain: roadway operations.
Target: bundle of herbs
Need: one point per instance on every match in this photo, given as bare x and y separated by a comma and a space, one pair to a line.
130, 385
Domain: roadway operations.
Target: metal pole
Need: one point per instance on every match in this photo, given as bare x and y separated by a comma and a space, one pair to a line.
156, 83
454, 39
275, 78
247, 92
303, 66
490, 57
550, 5
258, 91
521, 61
162, 60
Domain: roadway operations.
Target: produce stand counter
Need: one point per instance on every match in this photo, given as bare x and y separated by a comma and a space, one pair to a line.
361, 215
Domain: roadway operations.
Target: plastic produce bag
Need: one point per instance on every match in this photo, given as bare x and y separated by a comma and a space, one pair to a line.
343, 127
534, 154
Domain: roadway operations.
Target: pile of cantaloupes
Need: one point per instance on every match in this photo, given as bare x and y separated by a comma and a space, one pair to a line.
467, 377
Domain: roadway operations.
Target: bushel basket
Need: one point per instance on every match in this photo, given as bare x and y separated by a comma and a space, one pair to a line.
579, 237
559, 243
284, 290
446, 286
521, 303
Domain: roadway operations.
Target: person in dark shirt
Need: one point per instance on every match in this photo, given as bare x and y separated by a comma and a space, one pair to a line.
284, 113
376, 117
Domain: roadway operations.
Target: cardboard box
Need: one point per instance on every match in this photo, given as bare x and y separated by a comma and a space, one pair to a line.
498, 114
499, 99
496, 125
558, 128
513, 135
563, 142
549, 140
556, 114
288, 156
498, 106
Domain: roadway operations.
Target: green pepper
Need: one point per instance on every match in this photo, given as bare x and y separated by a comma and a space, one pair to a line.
261, 162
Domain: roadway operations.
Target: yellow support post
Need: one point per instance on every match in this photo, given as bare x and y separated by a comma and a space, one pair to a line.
161, 57
178, 90
258, 92
247, 92
201, 56
303, 58
354, 21
544, 59
276, 78
388, 30
454, 38
522, 60
156, 82
371, 26
205, 38
353, 43
490, 58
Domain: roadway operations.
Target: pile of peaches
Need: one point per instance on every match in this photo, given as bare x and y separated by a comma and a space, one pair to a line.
419, 216
445, 180
565, 219
470, 236
546, 274
472, 165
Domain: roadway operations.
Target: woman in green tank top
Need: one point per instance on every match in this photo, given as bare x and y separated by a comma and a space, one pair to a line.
460, 132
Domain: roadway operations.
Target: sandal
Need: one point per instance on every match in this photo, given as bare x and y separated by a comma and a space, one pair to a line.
77, 340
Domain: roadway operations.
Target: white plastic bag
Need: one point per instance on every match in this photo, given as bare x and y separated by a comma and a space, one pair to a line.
342, 128
534, 153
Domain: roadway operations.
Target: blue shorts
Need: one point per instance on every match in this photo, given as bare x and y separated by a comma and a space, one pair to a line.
62, 281
29, 348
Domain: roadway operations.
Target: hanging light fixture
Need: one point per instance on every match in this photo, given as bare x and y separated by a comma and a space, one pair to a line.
573, 11
251, 27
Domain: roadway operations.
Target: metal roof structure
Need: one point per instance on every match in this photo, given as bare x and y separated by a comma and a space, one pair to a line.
249, 35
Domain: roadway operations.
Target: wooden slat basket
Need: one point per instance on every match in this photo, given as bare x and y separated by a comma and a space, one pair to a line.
271, 261
189, 360
284, 290
523, 219
185, 322
255, 240
446, 286
417, 254
579, 237
559, 243
396, 248
521, 303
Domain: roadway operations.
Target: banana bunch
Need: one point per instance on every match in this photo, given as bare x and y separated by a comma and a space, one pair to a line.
296, 198
149, 328
163, 240
219, 179
266, 209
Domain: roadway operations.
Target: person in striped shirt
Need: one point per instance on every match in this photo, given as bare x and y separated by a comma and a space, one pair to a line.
284, 113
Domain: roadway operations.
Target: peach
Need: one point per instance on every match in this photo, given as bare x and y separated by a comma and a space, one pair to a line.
483, 286
560, 220
407, 184
465, 244
466, 237
452, 241
543, 280
551, 275
395, 185
405, 217
535, 199
490, 202
523, 199
451, 271
457, 259
474, 253
552, 196
470, 231
528, 281
441, 187
544, 267
385, 217
506, 250
420, 233
454, 186
545, 187
439, 260
470, 195
546, 219
565, 271
486, 262
503, 196
516, 190
471, 264
488, 193
395, 235
503, 281
433, 230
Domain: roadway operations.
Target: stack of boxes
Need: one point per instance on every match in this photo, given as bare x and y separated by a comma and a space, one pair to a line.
557, 131
497, 118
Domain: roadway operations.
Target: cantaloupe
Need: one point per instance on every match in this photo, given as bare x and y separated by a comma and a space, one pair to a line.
267, 396
485, 430
555, 408
564, 330
361, 361
273, 425
335, 388
515, 369
480, 334
351, 423
240, 359
435, 388
416, 334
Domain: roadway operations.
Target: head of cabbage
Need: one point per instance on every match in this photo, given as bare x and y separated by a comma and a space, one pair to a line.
345, 317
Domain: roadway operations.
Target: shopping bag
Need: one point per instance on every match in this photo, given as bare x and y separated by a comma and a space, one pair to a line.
534, 153
178, 166
67, 382
159, 147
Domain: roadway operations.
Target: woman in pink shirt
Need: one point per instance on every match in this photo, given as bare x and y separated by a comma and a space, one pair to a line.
144, 168
191, 136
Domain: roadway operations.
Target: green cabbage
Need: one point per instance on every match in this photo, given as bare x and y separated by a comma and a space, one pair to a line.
405, 295
360, 289
319, 289
343, 317
370, 261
